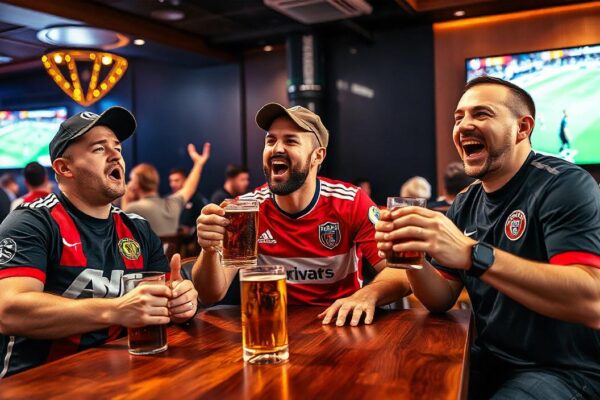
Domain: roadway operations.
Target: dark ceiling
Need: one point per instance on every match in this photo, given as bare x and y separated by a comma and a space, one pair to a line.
214, 31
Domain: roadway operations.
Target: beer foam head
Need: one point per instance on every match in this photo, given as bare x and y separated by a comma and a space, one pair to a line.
261, 278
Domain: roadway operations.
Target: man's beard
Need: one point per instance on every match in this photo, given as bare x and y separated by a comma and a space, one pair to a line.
99, 191
297, 177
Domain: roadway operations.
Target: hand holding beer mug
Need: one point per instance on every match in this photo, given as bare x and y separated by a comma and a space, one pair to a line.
264, 314
241, 234
405, 259
150, 339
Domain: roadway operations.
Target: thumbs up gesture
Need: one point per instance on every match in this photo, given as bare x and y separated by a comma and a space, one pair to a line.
184, 298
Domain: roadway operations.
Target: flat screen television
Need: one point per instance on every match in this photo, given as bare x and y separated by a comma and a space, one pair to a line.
25, 135
565, 85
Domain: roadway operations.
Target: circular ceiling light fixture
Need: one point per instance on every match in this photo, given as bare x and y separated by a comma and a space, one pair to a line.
459, 13
5, 59
139, 42
82, 36
168, 14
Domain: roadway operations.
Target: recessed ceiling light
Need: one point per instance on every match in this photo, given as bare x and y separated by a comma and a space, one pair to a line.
459, 13
82, 36
268, 48
139, 42
5, 59
168, 14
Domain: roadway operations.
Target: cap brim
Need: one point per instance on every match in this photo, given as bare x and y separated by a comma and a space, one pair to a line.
271, 111
118, 119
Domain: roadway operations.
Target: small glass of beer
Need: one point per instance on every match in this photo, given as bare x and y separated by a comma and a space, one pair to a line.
405, 259
241, 235
264, 314
151, 339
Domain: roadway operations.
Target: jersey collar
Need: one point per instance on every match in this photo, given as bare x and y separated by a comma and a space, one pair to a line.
306, 210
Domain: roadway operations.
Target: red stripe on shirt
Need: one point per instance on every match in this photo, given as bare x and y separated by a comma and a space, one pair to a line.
72, 250
448, 276
30, 272
64, 347
576, 257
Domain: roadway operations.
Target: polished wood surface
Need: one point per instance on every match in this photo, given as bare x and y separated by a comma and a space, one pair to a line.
407, 354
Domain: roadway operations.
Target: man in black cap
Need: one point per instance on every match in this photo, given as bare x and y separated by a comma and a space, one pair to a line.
62, 257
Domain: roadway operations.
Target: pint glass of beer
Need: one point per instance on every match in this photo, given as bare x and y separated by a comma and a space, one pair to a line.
151, 339
264, 314
241, 235
405, 259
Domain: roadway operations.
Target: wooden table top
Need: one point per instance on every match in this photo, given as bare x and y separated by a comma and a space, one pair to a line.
406, 354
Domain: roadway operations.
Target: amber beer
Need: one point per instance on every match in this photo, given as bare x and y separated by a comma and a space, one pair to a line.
150, 339
405, 259
264, 314
241, 235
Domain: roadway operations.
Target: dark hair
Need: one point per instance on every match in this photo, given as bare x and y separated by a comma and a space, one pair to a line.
521, 95
455, 178
232, 171
35, 175
7, 179
178, 171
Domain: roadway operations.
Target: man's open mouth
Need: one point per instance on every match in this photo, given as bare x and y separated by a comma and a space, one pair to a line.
472, 147
115, 173
279, 167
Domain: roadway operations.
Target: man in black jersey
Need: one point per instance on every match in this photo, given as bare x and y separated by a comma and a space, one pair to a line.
525, 242
62, 257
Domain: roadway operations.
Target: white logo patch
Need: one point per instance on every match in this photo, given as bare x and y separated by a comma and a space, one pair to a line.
90, 116
267, 238
467, 234
8, 249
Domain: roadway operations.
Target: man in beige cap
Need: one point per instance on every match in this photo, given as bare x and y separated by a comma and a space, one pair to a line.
321, 229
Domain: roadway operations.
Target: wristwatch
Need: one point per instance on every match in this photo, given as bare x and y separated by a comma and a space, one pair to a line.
483, 256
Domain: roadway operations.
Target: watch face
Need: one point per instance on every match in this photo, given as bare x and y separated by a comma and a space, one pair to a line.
483, 258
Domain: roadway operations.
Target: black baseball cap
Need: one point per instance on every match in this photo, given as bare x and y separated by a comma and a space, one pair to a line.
118, 119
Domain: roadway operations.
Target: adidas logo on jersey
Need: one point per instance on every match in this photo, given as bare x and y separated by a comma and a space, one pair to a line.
267, 238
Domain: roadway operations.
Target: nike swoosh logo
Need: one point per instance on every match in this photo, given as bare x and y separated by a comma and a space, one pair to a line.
70, 244
467, 234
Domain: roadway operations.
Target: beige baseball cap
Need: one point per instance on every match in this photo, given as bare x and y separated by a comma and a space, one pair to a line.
303, 117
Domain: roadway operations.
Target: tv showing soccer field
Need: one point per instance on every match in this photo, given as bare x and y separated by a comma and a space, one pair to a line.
565, 85
25, 135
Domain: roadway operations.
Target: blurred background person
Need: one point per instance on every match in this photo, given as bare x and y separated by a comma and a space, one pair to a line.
191, 210
455, 180
36, 182
10, 186
364, 184
416, 186
237, 179
142, 195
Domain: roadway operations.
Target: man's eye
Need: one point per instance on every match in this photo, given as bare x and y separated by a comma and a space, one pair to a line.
98, 149
120, 150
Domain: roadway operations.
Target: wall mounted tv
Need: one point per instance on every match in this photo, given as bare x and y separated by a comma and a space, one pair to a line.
565, 85
25, 135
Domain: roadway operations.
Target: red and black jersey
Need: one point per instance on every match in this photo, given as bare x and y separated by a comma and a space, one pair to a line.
548, 212
323, 245
76, 256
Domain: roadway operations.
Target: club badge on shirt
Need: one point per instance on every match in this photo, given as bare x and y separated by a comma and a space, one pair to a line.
515, 225
8, 249
329, 234
374, 214
130, 249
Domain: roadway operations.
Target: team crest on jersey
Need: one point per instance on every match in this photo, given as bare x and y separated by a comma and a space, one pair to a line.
130, 249
329, 234
515, 225
374, 214
8, 249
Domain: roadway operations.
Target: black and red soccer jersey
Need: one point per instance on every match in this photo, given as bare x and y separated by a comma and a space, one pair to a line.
76, 256
323, 245
548, 212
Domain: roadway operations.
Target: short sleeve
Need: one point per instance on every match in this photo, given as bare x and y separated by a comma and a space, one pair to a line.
448, 273
25, 243
570, 216
366, 214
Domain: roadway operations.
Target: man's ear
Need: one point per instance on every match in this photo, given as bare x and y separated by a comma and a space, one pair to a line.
61, 167
319, 155
526, 125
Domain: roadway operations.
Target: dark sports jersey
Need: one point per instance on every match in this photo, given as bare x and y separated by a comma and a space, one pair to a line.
548, 212
75, 256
